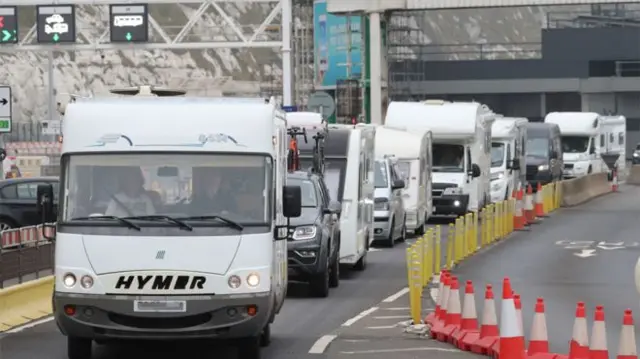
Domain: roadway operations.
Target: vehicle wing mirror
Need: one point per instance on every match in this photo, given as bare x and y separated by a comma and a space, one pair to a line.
292, 201
334, 207
44, 202
515, 164
398, 184
475, 171
3, 154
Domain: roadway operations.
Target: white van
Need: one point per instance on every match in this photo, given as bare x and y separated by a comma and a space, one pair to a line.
615, 131
508, 169
165, 234
583, 139
461, 150
413, 151
348, 173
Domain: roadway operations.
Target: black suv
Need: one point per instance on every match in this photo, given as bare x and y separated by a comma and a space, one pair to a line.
314, 240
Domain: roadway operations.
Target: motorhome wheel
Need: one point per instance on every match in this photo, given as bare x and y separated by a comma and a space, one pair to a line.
265, 337
334, 273
403, 233
391, 240
420, 230
78, 348
362, 263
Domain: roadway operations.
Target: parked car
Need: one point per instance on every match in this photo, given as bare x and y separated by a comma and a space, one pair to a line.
390, 217
314, 242
18, 201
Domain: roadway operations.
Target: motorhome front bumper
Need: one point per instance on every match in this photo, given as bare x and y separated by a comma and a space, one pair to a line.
450, 204
381, 225
107, 317
306, 258
577, 169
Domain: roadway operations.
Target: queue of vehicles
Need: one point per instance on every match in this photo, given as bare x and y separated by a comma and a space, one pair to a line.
211, 223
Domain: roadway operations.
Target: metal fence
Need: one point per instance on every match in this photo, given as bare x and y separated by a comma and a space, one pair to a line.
27, 131
24, 255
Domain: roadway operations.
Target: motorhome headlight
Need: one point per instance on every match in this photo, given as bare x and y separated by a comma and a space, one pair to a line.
381, 204
234, 281
452, 191
253, 279
543, 167
86, 281
497, 176
304, 232
69, 280
636, 154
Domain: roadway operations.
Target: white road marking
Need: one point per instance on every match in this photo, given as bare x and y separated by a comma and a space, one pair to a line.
421, 349
374, 249
394, 297
382, 327
29, 325
396, 308
321, 344
392, 317
350, 322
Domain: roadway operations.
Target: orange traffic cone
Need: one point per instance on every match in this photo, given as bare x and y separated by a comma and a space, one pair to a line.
614, 181
438, 325
433, 316
518, 304
598, 348
529, 213
454, 315
489, 333
511, 343
518, 218
539, 202
627, 348
469, 325
539, 342
579, 344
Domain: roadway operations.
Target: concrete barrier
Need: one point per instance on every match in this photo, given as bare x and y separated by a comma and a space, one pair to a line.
582, 189
23, 303
634, 175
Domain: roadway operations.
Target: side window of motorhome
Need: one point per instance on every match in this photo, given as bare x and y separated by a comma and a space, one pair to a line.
509, 158
602, 140
621, 138
469, 159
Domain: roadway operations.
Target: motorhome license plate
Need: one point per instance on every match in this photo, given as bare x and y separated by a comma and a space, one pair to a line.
160, 306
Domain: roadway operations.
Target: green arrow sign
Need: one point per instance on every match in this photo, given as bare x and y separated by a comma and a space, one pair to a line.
6, 35
128, 36
56, 37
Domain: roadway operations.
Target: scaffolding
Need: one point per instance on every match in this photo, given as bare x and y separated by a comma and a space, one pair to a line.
404, 38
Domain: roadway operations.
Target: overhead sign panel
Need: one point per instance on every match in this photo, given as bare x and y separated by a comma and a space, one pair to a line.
8, 25
6, 103
129, 23
56, 24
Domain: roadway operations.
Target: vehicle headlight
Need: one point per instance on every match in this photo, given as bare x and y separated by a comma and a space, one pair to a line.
381, 204
234, 281
69, 280
543, 167
636, 154
86, 281
253, 279
497, 176
304, 232
452, 191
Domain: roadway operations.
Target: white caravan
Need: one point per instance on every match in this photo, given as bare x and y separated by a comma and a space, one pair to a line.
158, 226
584, 139
413, 152
461, 150
615, 130
508, 170
348, 173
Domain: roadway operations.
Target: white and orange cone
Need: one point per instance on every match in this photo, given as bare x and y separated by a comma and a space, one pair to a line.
539, 205
518, 218
529, 213
518, 304
539, 341
433, 316
511, 343
627, 348
614, 181
454, 313
598, 348
489, 333
443, 297
469, 325
579, 344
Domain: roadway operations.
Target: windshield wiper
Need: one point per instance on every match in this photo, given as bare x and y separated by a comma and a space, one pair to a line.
165, 218
124, 221
229, 222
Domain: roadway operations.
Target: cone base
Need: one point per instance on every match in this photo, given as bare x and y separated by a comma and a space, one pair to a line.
484, 345
436, 329
466, 342
447, 332
430, 318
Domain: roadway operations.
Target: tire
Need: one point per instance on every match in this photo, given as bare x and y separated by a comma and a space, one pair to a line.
420, 231
391, 240
7, 223
319, 284
249, 348
79, 348
265, 336
334, 273
361, 264
589, 170
403, 235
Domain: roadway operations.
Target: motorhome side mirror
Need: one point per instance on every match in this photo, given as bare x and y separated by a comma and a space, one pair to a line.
3, 154
592, 150
475, 171
292, 201
334, 207
398, 184
44, 202
515, 164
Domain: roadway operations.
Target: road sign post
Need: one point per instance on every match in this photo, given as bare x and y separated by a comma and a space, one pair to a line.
6, 105
56, 24
129, 23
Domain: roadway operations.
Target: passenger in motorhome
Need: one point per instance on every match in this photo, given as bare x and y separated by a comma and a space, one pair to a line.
133, 199
448, 156
211, 197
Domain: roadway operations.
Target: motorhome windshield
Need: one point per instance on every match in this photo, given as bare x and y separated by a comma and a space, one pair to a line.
537, 147
497, 154
182, 186
309, 199
380, 175
405, 169
448, 158
575, 144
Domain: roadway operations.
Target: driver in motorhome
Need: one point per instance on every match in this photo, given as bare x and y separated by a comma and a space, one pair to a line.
212, 198
132, 199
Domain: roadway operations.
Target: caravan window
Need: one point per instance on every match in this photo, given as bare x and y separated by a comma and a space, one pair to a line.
381, 175
448, 158
621, 138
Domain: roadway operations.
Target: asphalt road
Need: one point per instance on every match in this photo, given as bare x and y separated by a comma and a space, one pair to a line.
540, 265
302, 322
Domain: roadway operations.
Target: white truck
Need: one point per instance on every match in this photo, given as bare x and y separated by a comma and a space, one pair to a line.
508, 170
461, 150
615, 128
165, 234
413, 151
585, 137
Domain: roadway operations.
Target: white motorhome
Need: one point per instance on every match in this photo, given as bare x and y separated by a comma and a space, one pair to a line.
583, 141
615, 131
413, 151
349, 176
461, 150
165, 234
508, 169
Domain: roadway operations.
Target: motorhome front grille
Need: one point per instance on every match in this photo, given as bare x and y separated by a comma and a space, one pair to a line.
532, 171
438, 188
568, 166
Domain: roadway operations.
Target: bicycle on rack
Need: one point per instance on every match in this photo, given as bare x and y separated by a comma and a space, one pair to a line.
293, 157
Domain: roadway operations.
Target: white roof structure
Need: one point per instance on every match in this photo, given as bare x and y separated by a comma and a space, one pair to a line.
399, 143
574, 123
308, 120
505, 127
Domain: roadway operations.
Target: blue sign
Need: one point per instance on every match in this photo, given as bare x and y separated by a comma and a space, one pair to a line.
290, 108
330, 45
